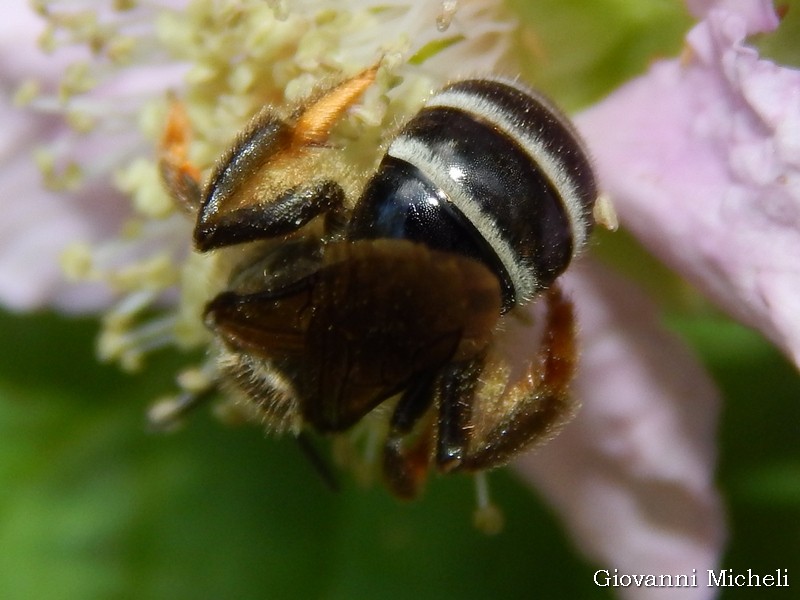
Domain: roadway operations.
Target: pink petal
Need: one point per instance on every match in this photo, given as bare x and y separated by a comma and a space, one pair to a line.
632, 476
37, 224
758, 14
702, 161
36, 228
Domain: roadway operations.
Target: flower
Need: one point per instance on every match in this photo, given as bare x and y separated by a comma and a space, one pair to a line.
54, 214
636, 465
706, 146
632, 476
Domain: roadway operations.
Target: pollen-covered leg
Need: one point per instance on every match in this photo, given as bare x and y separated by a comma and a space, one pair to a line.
268, 184
481, 429
315, 120
180, 176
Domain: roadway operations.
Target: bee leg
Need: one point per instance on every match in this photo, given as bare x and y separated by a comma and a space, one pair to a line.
457, 388
179, 175
315, 119
406, 457
317, 461
229, 215
478, 433
285, 214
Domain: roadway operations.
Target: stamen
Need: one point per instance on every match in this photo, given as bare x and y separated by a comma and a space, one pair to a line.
128, 346
55, 178
26, 93
449, 8
198, 379
128, 308
197, 385
487, 518
604, 213
167, 414
142, 182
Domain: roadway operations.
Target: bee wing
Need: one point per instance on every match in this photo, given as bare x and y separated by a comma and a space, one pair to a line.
376, 315
386, 312
269, 324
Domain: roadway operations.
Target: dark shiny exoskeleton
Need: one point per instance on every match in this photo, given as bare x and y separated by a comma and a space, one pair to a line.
458, 180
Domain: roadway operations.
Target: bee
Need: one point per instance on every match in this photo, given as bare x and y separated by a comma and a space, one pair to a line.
394, 295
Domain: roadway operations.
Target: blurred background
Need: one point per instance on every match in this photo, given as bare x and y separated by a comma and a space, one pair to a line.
94, 506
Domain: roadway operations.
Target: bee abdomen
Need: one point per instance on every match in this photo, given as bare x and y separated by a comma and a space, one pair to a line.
490, 170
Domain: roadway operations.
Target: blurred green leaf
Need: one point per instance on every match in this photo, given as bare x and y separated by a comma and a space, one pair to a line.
94, 507
579, 50
759, 446
783, 45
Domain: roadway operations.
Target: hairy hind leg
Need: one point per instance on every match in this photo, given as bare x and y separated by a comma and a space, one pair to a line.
478, 431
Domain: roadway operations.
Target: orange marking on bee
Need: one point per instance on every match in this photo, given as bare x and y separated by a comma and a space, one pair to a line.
175, 141
314, 124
